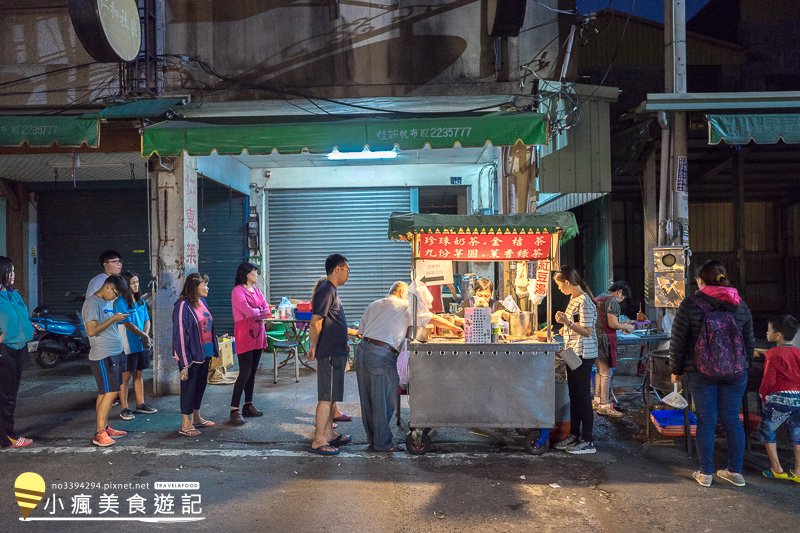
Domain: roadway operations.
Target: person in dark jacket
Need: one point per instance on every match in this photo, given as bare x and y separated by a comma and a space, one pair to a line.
193, 345
718, 399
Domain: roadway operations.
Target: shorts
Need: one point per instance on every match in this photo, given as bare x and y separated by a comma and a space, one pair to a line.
778, 408
330, 379
108, 373
137, 361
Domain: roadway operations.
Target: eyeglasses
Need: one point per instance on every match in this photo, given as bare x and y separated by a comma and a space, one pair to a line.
116, 261
346, 269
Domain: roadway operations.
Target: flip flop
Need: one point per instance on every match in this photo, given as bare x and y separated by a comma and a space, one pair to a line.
204, 424
191, 432
344, 417
771, 474
393, 449
322, 451
341, 440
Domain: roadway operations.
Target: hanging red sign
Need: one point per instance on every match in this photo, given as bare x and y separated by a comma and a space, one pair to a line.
484, 247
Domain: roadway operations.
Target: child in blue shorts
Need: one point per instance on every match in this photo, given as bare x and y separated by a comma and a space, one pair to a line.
780, 391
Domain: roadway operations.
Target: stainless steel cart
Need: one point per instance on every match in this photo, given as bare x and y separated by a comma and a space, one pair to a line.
482, 385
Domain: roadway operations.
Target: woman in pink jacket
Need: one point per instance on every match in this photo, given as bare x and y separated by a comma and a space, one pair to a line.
250, 308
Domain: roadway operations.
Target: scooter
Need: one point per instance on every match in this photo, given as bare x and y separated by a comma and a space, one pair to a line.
57, 338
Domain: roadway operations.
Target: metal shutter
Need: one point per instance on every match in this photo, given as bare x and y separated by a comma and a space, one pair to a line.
222, 243
305, 226
75, 226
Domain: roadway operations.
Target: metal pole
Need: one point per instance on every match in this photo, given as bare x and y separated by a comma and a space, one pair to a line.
680, 190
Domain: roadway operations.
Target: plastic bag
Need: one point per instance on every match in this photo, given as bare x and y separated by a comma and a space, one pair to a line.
402, 365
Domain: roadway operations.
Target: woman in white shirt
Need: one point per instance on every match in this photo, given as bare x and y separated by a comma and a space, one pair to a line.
579, 334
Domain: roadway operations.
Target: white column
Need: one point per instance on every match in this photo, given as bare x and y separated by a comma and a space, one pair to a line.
173, 222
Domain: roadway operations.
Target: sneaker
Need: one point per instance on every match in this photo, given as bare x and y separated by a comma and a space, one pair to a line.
732, 477
566, 443
146, 409
126, 414
101, 438
608, 410
19, 442
115, 433
250, 410
581, 448
116, 402
703, 479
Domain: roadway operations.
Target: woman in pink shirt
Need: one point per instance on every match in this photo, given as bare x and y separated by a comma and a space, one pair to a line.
250, 308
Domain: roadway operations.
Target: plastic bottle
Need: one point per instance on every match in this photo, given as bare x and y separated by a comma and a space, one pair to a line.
285, 309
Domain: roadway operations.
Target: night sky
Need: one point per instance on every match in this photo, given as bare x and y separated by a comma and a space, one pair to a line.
647, 9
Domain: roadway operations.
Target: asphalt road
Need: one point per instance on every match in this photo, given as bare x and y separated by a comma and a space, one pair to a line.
260, 478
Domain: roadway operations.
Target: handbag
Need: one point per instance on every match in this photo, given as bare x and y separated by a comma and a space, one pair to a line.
402, 365
572, 359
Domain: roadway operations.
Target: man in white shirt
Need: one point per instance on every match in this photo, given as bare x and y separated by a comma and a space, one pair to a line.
383, 329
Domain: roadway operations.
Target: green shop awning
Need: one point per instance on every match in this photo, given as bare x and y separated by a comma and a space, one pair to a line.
64, 131
292, 135
148, 108
403, 225
767, 128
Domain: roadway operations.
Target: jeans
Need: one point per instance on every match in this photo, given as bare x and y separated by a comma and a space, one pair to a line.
721, 400
581, 416
377, 389
11, 362
602, 381
192, 389
246, 380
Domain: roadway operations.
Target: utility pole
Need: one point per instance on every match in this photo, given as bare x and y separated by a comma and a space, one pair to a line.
675, 82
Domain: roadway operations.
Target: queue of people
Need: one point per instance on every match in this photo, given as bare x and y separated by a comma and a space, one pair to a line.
711, 347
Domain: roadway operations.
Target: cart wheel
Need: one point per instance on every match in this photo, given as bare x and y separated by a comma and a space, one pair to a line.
420, 445
530, 443
522, 431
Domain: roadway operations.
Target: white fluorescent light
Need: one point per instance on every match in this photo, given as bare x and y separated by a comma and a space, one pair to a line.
336, 155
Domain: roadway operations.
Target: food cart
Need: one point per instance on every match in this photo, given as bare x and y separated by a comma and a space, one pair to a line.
453, 383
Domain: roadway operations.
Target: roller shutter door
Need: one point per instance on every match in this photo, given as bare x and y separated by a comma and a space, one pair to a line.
305, 226
75, 226
222, 246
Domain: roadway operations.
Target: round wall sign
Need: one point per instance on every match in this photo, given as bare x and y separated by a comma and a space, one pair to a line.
109, 30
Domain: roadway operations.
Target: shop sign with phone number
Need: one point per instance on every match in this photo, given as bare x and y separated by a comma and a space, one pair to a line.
484, 247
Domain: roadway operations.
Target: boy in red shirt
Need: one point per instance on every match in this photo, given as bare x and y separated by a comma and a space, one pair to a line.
780, 391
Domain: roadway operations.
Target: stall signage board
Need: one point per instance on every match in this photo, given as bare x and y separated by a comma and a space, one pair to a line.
542, 280
434, 272
484, 246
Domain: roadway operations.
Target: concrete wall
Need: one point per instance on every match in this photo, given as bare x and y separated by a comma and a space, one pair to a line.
35, 38
382, 176
370, 49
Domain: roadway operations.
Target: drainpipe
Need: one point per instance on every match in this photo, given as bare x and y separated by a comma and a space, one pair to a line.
663, 189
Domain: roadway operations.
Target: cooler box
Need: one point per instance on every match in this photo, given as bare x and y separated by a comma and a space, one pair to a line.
670, 422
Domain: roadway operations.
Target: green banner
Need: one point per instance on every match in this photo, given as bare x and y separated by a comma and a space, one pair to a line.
766, 128
201, 138
505, 129
46, 131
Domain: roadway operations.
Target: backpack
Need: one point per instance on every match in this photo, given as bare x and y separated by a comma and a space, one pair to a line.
719, 351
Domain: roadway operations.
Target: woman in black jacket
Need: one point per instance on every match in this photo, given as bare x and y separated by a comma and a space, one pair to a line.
713, 398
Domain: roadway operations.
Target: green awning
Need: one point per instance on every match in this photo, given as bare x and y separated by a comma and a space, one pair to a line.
292, 135
66, 131
766, 128
403, 225
149, 108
